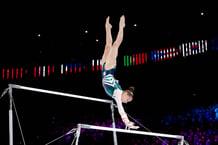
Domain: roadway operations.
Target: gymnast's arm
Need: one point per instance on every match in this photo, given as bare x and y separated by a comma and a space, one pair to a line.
123, 114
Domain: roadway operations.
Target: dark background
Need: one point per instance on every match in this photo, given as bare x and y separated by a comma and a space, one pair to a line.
162, 88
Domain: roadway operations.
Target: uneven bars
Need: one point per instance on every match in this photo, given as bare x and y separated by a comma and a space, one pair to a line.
87, 126
59, 93
65, 94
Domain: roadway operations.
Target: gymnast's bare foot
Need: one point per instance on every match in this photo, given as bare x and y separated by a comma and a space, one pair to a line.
107, 24
122, 21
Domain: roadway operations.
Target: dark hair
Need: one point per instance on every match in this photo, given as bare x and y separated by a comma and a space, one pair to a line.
131, 90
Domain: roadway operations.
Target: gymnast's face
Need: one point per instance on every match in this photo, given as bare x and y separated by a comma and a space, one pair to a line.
126, 97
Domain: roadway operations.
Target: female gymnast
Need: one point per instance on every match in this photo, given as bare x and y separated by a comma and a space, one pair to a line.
109, 63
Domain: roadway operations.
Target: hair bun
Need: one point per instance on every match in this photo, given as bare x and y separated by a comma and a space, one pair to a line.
131, 88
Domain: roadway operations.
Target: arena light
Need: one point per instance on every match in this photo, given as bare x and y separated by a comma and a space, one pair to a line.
93, 65
135, 59
193, 48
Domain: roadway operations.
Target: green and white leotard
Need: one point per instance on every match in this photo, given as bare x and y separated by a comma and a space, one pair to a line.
112, 87
109, 82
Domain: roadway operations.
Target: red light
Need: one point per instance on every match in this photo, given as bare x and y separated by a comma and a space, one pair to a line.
98, 64
3, 73
146, 58
39, 71
97, 67
139, 58
48, 70
136, 57
17, 73
71, 69
34, 71
53, 69
21, 73
143, 59
93, 65
133, 59
8, 74
75, 69
12, 73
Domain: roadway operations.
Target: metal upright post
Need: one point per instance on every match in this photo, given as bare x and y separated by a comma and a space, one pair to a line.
10, 116
78, 133
113, 124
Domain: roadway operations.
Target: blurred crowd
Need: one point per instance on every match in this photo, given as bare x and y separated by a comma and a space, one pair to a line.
199, 127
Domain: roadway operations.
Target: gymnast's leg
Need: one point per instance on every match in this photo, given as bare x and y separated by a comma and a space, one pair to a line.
109, 40
111, 61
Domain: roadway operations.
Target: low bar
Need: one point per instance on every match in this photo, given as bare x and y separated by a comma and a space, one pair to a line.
87, 126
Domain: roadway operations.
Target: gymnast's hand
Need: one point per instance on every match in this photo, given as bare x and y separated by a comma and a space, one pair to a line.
130, 125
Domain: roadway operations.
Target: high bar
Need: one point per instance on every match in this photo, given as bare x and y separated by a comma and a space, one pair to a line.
58, 93
87, 126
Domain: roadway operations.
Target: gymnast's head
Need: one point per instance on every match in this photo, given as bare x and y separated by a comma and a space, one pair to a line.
127, 95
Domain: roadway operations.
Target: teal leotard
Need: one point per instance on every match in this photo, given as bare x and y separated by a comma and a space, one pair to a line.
108, 81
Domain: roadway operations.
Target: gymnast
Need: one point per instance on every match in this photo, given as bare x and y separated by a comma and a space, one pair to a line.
109, 63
